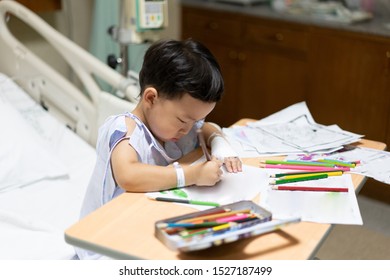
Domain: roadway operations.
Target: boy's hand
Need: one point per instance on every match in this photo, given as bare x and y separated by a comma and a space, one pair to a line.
210, 173
233, 164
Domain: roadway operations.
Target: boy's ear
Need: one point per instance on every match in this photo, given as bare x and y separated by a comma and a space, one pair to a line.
150, 95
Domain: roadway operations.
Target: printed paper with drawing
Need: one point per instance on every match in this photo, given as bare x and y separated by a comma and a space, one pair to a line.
291, 130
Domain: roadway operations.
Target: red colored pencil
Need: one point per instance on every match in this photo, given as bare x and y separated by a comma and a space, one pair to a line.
312, 189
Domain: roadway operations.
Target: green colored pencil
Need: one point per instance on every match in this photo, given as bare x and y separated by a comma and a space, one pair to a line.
338, 162
187, 201
278, 175
299, 162
307, 178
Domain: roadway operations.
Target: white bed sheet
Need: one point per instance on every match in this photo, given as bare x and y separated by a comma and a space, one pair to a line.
33, 218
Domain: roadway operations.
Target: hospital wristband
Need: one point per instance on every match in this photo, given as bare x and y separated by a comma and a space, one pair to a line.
181, 181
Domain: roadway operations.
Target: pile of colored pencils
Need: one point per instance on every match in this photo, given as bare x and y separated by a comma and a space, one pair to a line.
308, 170
283, 178
225, 220
318, 165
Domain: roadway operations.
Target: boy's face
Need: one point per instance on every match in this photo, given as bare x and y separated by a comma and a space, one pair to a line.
169, 120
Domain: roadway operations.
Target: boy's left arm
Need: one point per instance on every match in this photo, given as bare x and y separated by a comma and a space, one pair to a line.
221, 148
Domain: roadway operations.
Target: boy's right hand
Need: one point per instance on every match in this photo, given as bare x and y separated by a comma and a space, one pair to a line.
210, 172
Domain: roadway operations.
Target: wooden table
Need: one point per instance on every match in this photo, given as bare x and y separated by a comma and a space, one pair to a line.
124, 229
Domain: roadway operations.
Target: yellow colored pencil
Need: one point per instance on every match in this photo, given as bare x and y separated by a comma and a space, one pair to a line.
279, 175
311, 174
185, 234
306, 178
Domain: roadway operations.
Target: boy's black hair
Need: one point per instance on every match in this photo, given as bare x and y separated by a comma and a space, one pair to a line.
174, 68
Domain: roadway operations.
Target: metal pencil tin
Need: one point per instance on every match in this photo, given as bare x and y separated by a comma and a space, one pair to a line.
177, 243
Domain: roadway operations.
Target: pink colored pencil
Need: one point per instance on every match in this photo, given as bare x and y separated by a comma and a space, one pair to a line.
232, 218
303, 167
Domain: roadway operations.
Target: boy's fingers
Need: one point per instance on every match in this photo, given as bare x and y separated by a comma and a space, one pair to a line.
233, 164
228, 166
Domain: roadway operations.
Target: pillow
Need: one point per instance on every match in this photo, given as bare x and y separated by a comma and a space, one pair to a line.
24, 158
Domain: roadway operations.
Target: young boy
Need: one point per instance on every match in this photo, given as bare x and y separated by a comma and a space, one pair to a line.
180, 85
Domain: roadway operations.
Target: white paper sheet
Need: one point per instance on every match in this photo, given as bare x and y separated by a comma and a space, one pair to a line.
321, 207
288, 113
233, 187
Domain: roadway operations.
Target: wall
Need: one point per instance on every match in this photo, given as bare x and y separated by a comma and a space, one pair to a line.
381, 7
74, 21
174, 29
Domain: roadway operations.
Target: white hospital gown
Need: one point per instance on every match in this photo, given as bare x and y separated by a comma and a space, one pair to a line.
102, 187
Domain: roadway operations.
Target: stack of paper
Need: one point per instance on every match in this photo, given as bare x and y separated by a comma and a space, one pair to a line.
290, 131
372, 163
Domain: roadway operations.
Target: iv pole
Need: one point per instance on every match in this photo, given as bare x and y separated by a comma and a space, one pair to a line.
129, 32
122, 35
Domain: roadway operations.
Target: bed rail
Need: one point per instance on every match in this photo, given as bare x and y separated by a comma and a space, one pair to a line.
48, 87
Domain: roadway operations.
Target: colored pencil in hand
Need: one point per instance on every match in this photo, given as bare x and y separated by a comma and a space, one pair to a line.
202, 143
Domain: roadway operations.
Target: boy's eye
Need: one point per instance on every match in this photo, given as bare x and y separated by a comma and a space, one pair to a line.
181, 120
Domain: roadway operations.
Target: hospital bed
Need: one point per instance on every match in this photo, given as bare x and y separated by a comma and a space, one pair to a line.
48, 129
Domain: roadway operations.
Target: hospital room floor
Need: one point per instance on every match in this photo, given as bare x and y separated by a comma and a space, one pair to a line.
368, 242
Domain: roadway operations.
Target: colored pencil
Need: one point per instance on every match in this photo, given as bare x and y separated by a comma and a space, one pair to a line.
222, 229
208, 230
312, 189
338, 162
279, 175
242, 223
339, 173
204, 218
257, 229
302, 167
297, 162
202, 143
187, 201
273, 225
307, 178
188, 225
232, 218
